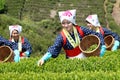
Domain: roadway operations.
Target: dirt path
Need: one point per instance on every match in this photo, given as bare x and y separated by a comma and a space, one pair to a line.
116, 12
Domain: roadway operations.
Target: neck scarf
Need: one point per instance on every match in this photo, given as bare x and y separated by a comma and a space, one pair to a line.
19, 43
70, 39
97, 29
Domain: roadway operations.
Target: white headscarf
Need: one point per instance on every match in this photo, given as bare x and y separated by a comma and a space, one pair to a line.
15, 27
93, 19
69, 15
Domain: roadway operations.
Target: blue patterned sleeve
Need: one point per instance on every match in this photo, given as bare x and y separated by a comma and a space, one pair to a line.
109, 32
56, 47
88, 31
27, 46
6, 42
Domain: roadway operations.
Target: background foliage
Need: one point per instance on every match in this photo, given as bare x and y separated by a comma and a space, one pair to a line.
38, 25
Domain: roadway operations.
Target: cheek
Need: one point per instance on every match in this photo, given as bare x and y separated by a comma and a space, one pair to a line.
62, 25
65, 26
89, 25
15, 35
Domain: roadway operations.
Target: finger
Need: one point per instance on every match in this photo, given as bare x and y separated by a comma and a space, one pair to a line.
41, 62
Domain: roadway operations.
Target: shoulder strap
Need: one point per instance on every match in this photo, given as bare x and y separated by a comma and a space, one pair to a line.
101, 31
80, 30
22, 39
64, 37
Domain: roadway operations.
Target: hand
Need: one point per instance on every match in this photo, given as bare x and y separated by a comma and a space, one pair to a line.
26, 53
40, 62
115, 46
44, 58
23, 54
102, 51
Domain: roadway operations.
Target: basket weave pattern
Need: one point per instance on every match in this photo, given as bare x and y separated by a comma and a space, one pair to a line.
88, 41
6, 54
109, 42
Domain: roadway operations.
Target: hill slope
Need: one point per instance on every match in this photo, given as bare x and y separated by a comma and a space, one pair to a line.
40, 17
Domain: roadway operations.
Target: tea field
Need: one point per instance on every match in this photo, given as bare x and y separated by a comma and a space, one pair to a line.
60, 68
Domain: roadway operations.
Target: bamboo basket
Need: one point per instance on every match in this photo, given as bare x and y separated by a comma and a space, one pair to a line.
88, 41
6, 54
109, 42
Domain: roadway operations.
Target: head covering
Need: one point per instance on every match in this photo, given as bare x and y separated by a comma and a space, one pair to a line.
93, 19
15, 27
69, 15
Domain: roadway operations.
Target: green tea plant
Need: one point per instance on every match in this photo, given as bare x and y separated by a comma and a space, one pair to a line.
106, 67
92, 47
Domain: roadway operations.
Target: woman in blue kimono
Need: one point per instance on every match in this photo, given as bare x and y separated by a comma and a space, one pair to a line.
70, 38
24, 47
94, 24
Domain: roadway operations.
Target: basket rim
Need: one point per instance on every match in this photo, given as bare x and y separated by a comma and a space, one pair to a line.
88, 52
9, 55
111, 42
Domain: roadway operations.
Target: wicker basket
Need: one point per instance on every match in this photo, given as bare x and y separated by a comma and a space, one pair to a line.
109, 42
88, 41
6, 54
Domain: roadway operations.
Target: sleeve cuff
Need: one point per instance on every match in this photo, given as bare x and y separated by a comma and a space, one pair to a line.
46, 56
27, 53
117, 43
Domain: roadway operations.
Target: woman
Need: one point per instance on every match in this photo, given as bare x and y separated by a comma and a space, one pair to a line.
94, 24
24, 47
69, 38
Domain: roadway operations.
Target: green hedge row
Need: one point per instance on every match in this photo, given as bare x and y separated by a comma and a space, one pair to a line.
105, 68
76, 75
109, 62
38, 10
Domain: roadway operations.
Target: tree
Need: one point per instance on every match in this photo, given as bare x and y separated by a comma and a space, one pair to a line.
2, 6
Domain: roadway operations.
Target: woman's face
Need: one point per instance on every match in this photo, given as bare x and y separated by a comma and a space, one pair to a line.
15, 34
89, 25
67, 25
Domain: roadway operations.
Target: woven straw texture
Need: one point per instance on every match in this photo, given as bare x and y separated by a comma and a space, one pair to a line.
6, 54
109, 42
88, 41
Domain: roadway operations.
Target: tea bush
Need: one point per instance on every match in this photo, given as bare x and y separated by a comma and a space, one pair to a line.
106, 67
